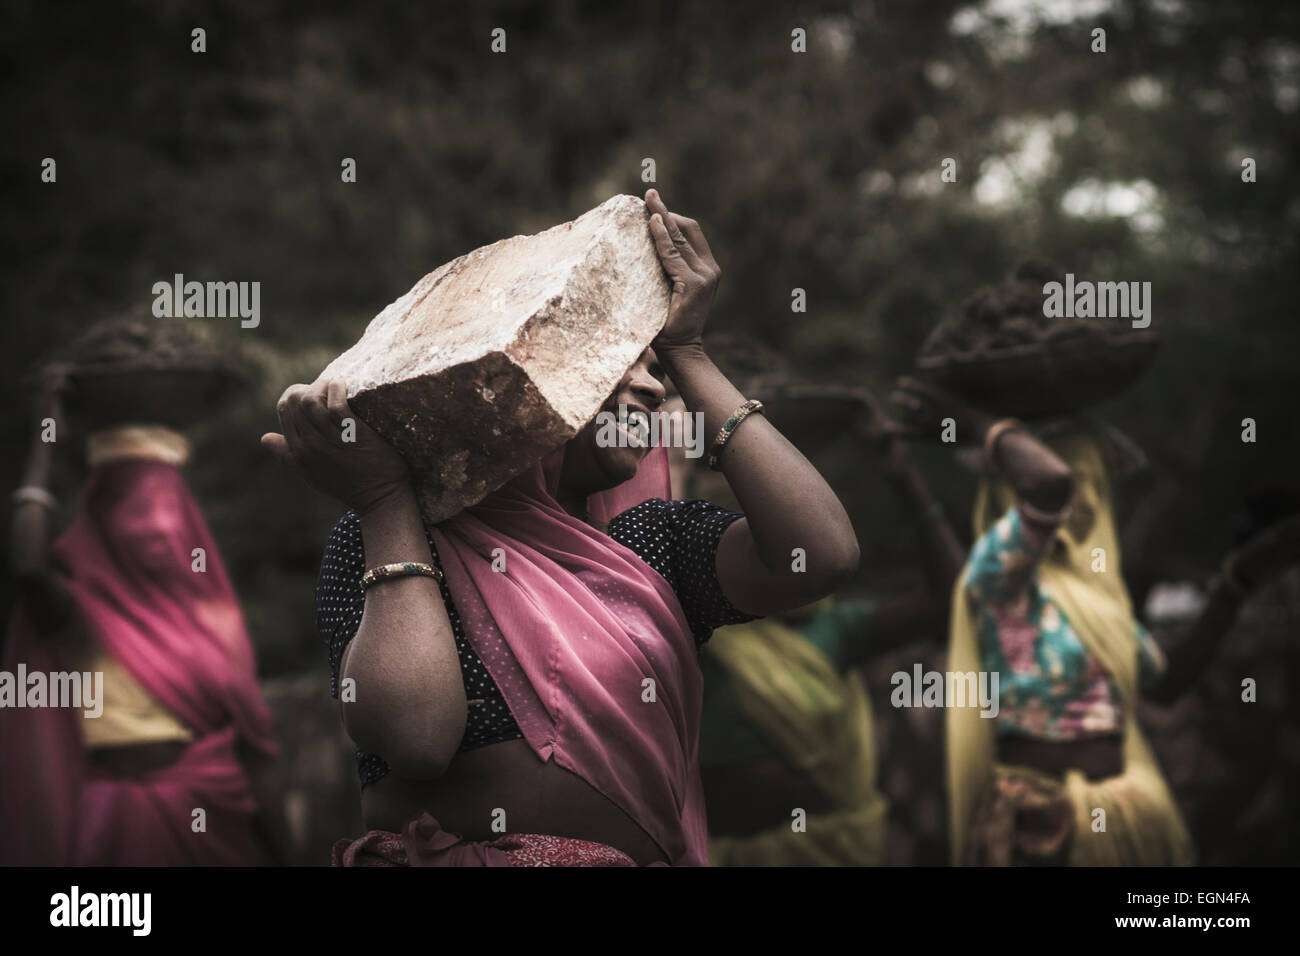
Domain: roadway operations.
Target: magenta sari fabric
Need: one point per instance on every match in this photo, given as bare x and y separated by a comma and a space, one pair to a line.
129, 557
588, 644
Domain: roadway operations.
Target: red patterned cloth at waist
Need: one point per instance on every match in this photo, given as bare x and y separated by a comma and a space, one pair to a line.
423, 842
1025, 818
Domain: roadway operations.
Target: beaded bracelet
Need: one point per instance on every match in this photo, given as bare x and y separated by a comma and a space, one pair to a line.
729, 427
996, 431
402, 569
1038, 516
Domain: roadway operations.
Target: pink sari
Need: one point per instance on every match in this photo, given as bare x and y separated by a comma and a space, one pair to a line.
593, 655
128, 556
578, 633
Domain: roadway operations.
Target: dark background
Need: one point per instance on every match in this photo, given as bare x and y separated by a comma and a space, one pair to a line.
816, 170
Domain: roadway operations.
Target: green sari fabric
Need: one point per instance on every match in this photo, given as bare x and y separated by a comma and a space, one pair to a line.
782, 693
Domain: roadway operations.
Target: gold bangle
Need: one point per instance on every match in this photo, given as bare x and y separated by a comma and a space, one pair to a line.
729, 428
996, 431
402, 569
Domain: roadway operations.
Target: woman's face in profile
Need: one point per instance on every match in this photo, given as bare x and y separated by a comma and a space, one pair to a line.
592, 462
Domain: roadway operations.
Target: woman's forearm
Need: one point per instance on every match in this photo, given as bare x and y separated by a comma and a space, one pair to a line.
1033, 470
30, 547
787, 504
44, 597
409, 698
1036, 474
30, 552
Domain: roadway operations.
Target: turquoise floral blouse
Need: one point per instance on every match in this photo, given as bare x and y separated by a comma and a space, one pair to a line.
1050, 686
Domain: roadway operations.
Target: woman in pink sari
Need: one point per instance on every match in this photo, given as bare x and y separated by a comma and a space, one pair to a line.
531, 696
134, 597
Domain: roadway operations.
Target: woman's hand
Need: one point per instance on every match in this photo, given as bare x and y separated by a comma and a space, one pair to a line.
925, 406
360, 473
694, 272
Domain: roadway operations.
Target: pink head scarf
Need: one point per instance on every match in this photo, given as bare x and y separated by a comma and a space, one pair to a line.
129, 561
588, 644
179, 631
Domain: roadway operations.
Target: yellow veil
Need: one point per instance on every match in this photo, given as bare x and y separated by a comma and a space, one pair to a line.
1142, 823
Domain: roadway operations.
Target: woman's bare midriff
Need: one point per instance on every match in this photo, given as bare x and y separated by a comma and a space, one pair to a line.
1097, 757
536, 797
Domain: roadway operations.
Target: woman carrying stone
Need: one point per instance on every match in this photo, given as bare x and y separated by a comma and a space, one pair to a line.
175, 769
548, 713
1062, 774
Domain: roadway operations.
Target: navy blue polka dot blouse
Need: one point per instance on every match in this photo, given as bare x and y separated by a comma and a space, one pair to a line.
679, 539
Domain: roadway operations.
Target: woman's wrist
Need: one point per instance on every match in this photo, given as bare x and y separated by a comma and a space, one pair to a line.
993, 433
703, 386
37, 472
685, 352
395, 497
393, 530
37, 478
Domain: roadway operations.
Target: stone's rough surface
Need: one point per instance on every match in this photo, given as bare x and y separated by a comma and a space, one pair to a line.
502, 355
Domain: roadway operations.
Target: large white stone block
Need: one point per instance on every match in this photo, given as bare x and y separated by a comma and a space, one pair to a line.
498, 357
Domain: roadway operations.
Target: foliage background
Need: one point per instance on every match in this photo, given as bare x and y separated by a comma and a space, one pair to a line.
818, 170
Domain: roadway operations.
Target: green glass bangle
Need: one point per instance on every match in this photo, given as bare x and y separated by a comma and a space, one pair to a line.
729, 427
402, 569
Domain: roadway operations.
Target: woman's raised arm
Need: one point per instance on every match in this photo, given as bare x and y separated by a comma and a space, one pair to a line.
407, 700
796, 543
45, 599
1035, 472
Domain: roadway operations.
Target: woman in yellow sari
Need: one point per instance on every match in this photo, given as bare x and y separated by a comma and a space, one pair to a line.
787, 744
1061, 772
